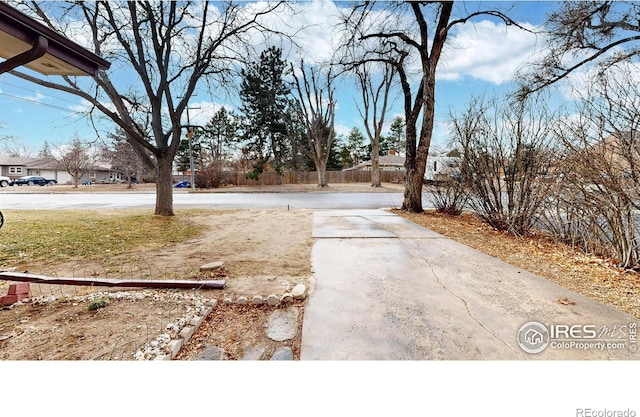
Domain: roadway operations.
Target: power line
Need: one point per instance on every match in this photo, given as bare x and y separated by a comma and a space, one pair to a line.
53, 106
37, 92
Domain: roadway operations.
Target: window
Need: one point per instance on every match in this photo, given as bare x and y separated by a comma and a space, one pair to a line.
92, 174
15, 170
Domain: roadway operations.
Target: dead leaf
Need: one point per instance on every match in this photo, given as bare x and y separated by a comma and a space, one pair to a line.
565, 301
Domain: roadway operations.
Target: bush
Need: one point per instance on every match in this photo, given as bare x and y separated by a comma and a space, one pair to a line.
449, 197
97, 304
507, 152
210, 177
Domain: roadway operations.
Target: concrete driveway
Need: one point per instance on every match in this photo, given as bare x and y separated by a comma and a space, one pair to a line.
388, 289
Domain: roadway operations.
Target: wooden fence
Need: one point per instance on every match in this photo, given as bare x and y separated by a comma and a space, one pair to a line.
311, 177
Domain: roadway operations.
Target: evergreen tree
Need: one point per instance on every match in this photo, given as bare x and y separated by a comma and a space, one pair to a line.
221, 135
396, 139
264, 95
357, 148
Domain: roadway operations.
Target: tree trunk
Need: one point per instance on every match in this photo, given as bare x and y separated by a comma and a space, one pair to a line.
412, 201
164, 189
375, 163
416, 162
322, 174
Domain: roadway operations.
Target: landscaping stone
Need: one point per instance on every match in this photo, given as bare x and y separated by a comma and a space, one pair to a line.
197, 321
286, 298
212, 266
211, 353
299, 291
283, 324
254, 353
187, 332
257, 300
282, 354
174, 347
273, 300
242, 300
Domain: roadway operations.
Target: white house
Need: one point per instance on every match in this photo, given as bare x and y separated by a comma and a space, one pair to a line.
440, 168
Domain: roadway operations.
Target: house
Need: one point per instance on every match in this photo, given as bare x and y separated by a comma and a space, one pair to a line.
439, 167
15, 166
390, 162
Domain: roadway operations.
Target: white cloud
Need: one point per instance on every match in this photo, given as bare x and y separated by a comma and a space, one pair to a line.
342, 130
487, 51
311, 23
85, 107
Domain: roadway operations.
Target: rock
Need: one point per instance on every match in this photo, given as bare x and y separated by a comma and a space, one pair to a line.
283, 324
257, 300
212, 266
282, 354
211, 353
273, 300
187, 332
286, 298
299, 291
174, 347
242, 300
253, 353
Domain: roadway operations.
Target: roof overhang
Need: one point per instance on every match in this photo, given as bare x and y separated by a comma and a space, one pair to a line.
24, 41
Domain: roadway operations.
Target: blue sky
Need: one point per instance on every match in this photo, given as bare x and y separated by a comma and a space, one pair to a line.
480, 58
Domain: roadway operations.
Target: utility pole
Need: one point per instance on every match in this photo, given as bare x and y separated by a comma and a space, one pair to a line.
189, 137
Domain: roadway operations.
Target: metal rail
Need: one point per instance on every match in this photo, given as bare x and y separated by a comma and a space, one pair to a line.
106, 282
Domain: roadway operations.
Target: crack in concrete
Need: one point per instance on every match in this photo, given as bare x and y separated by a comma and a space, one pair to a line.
466, 305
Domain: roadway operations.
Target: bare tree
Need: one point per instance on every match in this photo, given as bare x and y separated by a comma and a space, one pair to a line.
316, 110
123, 158
11, 146
581, 33
393, 24
76, 160
169, 47
374, 89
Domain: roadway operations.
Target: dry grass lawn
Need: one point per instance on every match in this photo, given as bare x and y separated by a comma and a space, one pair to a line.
591, 276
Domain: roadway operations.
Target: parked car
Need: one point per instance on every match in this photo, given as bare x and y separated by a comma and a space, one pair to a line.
33, 180
183, 184
4, 181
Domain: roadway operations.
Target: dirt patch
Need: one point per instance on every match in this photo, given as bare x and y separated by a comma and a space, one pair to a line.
65, 328
239, 339
264, 251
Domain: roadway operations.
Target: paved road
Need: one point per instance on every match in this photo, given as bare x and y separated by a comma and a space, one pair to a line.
312, 200
388, 289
